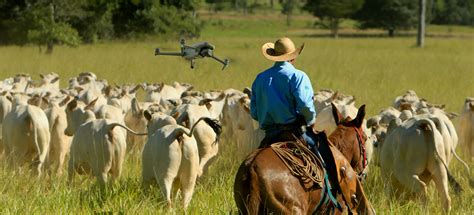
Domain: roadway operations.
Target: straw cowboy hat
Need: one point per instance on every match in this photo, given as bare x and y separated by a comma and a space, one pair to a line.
282, 50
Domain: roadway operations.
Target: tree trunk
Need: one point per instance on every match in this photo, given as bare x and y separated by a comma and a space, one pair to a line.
49, 45
335, 28
271, 4
288, 18
420, 42
391, 32
49, 48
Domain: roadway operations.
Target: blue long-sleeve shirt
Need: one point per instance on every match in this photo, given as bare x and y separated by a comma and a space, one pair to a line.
280, 94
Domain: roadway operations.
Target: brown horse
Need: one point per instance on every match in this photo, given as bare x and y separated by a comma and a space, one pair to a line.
264, 183
350, 144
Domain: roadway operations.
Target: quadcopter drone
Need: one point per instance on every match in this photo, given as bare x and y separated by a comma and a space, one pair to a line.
193, 52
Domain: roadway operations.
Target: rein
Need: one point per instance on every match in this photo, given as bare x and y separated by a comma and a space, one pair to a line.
362, 151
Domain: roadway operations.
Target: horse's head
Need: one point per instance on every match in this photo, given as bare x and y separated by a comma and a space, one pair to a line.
350, 138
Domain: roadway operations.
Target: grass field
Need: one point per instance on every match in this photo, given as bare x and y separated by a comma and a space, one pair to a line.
375, 70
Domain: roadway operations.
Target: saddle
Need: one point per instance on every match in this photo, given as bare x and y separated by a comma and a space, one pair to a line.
316, 167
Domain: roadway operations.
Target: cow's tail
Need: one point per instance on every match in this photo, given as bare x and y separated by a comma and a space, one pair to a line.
471, 181
112, 125
214, 124
32, 127
428, 126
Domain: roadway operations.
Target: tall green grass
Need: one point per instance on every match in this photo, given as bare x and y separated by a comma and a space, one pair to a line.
375, 70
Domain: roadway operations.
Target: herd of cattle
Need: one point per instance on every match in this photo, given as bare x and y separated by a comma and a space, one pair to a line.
178, 130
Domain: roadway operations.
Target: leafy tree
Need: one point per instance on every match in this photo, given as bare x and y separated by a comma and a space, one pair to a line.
288, 7
389, 15
459, 12
333, 11
96, 22
48, 23
153, 17
12, 31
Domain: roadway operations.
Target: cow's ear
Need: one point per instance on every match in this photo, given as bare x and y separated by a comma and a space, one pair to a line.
221, 97
206, 102
147, 115
134, 90
334, 96
78, 89
248, 91
91, 105
55, 80
72, 105
336, 114
107, 90
136, 107
405, 106
45, 100
244, 104
64, 101
175, 115
452, 115
360, 117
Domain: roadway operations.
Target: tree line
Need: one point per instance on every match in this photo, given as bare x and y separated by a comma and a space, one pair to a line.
70, 22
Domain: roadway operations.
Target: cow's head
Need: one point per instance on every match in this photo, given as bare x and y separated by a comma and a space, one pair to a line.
76, 115
157, 120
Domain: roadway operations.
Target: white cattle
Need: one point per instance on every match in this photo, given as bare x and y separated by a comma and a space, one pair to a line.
325, 118
215, 105
21, 83
324, 98
123, 97
26, 136
170, 157
98, 145
250, 135
412, 154
50, 81
152, 92
135, 120
206, 134
60, 142
466, 127
5, 108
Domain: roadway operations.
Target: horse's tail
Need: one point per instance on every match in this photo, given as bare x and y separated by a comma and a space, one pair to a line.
254, 199
246, 188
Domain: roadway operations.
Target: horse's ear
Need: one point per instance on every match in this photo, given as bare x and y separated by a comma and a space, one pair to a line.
337, 115
360, 117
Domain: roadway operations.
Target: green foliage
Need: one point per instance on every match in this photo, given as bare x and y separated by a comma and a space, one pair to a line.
136, 19
172, 21
454, 12
333, 11
96, 23
46, 28
189, 5
389, 15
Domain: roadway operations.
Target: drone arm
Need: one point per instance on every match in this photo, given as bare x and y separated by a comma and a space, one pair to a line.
158, 52
224, 62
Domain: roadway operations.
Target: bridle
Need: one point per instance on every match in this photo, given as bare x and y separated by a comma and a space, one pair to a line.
363, 154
